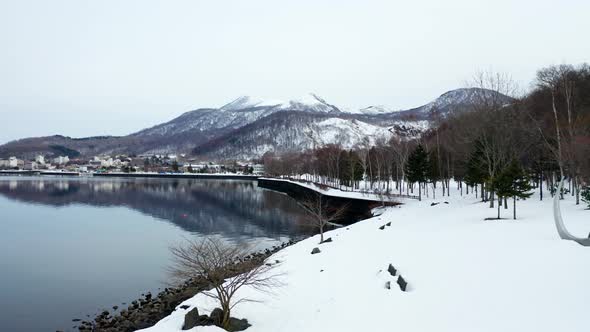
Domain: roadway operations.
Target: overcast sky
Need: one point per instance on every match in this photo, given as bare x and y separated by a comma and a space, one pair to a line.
82, 67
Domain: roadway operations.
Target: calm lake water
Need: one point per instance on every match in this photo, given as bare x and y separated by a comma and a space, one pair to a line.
71, 247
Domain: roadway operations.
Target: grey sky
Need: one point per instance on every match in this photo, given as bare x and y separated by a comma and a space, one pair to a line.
82, 67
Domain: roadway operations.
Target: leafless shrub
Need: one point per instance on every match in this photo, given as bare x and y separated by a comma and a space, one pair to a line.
319, 213
226, 268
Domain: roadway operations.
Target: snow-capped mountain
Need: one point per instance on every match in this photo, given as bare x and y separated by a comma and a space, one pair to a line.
458, 99
292, 131
308, 103
248, 127
238, 113
377, 109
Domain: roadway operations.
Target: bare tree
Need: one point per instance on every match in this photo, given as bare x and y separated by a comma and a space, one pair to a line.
319, 213
490, 98
556, 80
224, 266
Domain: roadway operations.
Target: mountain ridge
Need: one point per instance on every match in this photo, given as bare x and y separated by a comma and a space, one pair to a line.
212, 132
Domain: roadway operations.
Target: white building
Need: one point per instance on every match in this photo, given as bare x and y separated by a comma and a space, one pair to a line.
12, 162
61, 160
40, 160
258, 169
107, 162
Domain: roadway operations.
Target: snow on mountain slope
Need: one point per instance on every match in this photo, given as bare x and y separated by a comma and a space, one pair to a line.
459, 99
307, 103
345, 132
247, 102
200, 127
297, 131
311, 102
377, 109
238, 113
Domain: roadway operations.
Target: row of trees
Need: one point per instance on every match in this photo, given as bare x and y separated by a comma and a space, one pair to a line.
495, 148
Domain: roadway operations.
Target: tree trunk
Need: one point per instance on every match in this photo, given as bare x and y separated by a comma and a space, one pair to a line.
226, 316
514, 206
482, 193
498, 211
541, 186
419, 192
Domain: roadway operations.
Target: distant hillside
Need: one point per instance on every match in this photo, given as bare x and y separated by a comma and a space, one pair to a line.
248, 127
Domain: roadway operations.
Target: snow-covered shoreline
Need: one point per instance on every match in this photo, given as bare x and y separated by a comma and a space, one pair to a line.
329, 191
464, 274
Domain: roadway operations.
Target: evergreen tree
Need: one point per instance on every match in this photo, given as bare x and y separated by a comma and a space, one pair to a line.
433, 171
586, 196
521, 185
356, 166
344, 168
513, 182
417, 168
475, 173
502, 184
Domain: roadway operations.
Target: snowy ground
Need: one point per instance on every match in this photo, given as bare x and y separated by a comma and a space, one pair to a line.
464, 274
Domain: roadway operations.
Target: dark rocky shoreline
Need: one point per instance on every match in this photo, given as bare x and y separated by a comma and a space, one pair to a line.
148, 310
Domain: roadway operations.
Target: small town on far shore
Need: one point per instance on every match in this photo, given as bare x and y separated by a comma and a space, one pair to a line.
153, 163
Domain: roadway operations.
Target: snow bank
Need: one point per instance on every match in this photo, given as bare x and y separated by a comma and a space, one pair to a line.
464, 274
344, 194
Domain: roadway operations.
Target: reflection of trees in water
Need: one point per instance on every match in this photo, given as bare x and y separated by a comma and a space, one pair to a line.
233, 207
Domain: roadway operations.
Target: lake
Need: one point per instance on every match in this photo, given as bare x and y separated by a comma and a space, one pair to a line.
71, 247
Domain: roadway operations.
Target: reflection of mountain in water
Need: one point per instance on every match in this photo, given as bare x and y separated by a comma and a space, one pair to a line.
202, 206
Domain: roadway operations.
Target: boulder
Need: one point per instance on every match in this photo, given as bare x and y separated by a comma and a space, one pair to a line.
315, 251
191, 319
388, 224
238, 324
388, 285
327, 240
216, 316
402, 283
382, 227
391, 270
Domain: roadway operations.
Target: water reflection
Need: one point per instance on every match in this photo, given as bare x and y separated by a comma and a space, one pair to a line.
230, 207
73, 246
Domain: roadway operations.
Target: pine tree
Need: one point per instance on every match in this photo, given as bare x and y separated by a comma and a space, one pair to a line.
586, 196
344, 169
433, 171
521, 184
502, 185
356, 165
475, 173
417, 168
513, 182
